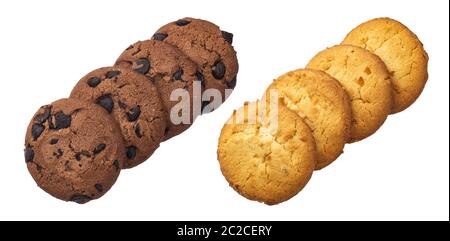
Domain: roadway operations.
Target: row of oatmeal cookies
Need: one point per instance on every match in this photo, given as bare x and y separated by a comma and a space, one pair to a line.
116, 117
269, 149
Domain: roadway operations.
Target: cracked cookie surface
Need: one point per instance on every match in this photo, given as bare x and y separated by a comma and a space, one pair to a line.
169, 70
323, 103
133, 102
401, 51
365, 78
208, 46
74, 150
266, 155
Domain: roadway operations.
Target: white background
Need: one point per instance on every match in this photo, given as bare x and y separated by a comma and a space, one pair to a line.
400, 173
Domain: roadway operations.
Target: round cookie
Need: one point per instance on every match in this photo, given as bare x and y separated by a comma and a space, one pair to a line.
133, 102
401, 51
74, 150
209, 47
169, 69
365, 78
269, 158
323, 103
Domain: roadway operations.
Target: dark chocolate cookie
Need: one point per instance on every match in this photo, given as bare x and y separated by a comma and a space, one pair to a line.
206, 45
169, 69
74, 150
134, 103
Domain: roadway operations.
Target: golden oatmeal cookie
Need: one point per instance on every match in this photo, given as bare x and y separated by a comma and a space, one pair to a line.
401, 51
266, 154
323, 103
366, 80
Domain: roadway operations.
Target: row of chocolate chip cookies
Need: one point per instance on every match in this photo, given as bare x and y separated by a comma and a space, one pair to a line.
116, 117
269, 149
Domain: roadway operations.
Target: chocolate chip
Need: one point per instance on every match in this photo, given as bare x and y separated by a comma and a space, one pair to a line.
80, 199
137, 131
58, 153
99, 187
227, 36
53, 141
93, 82
78, 156
39, 168
41, 118
99, 148
199, 76
143, 66
112, 74
160, 36
51, 122
129, 47
182, 22
106, 102
232, 83
117, 164
218, 70
36, 130
178, 74
62, 120
131, 152
134, 113
29, 154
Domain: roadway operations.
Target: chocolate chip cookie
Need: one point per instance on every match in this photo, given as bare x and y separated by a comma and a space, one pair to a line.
173, 73
210, 48
74, 150
133, 102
